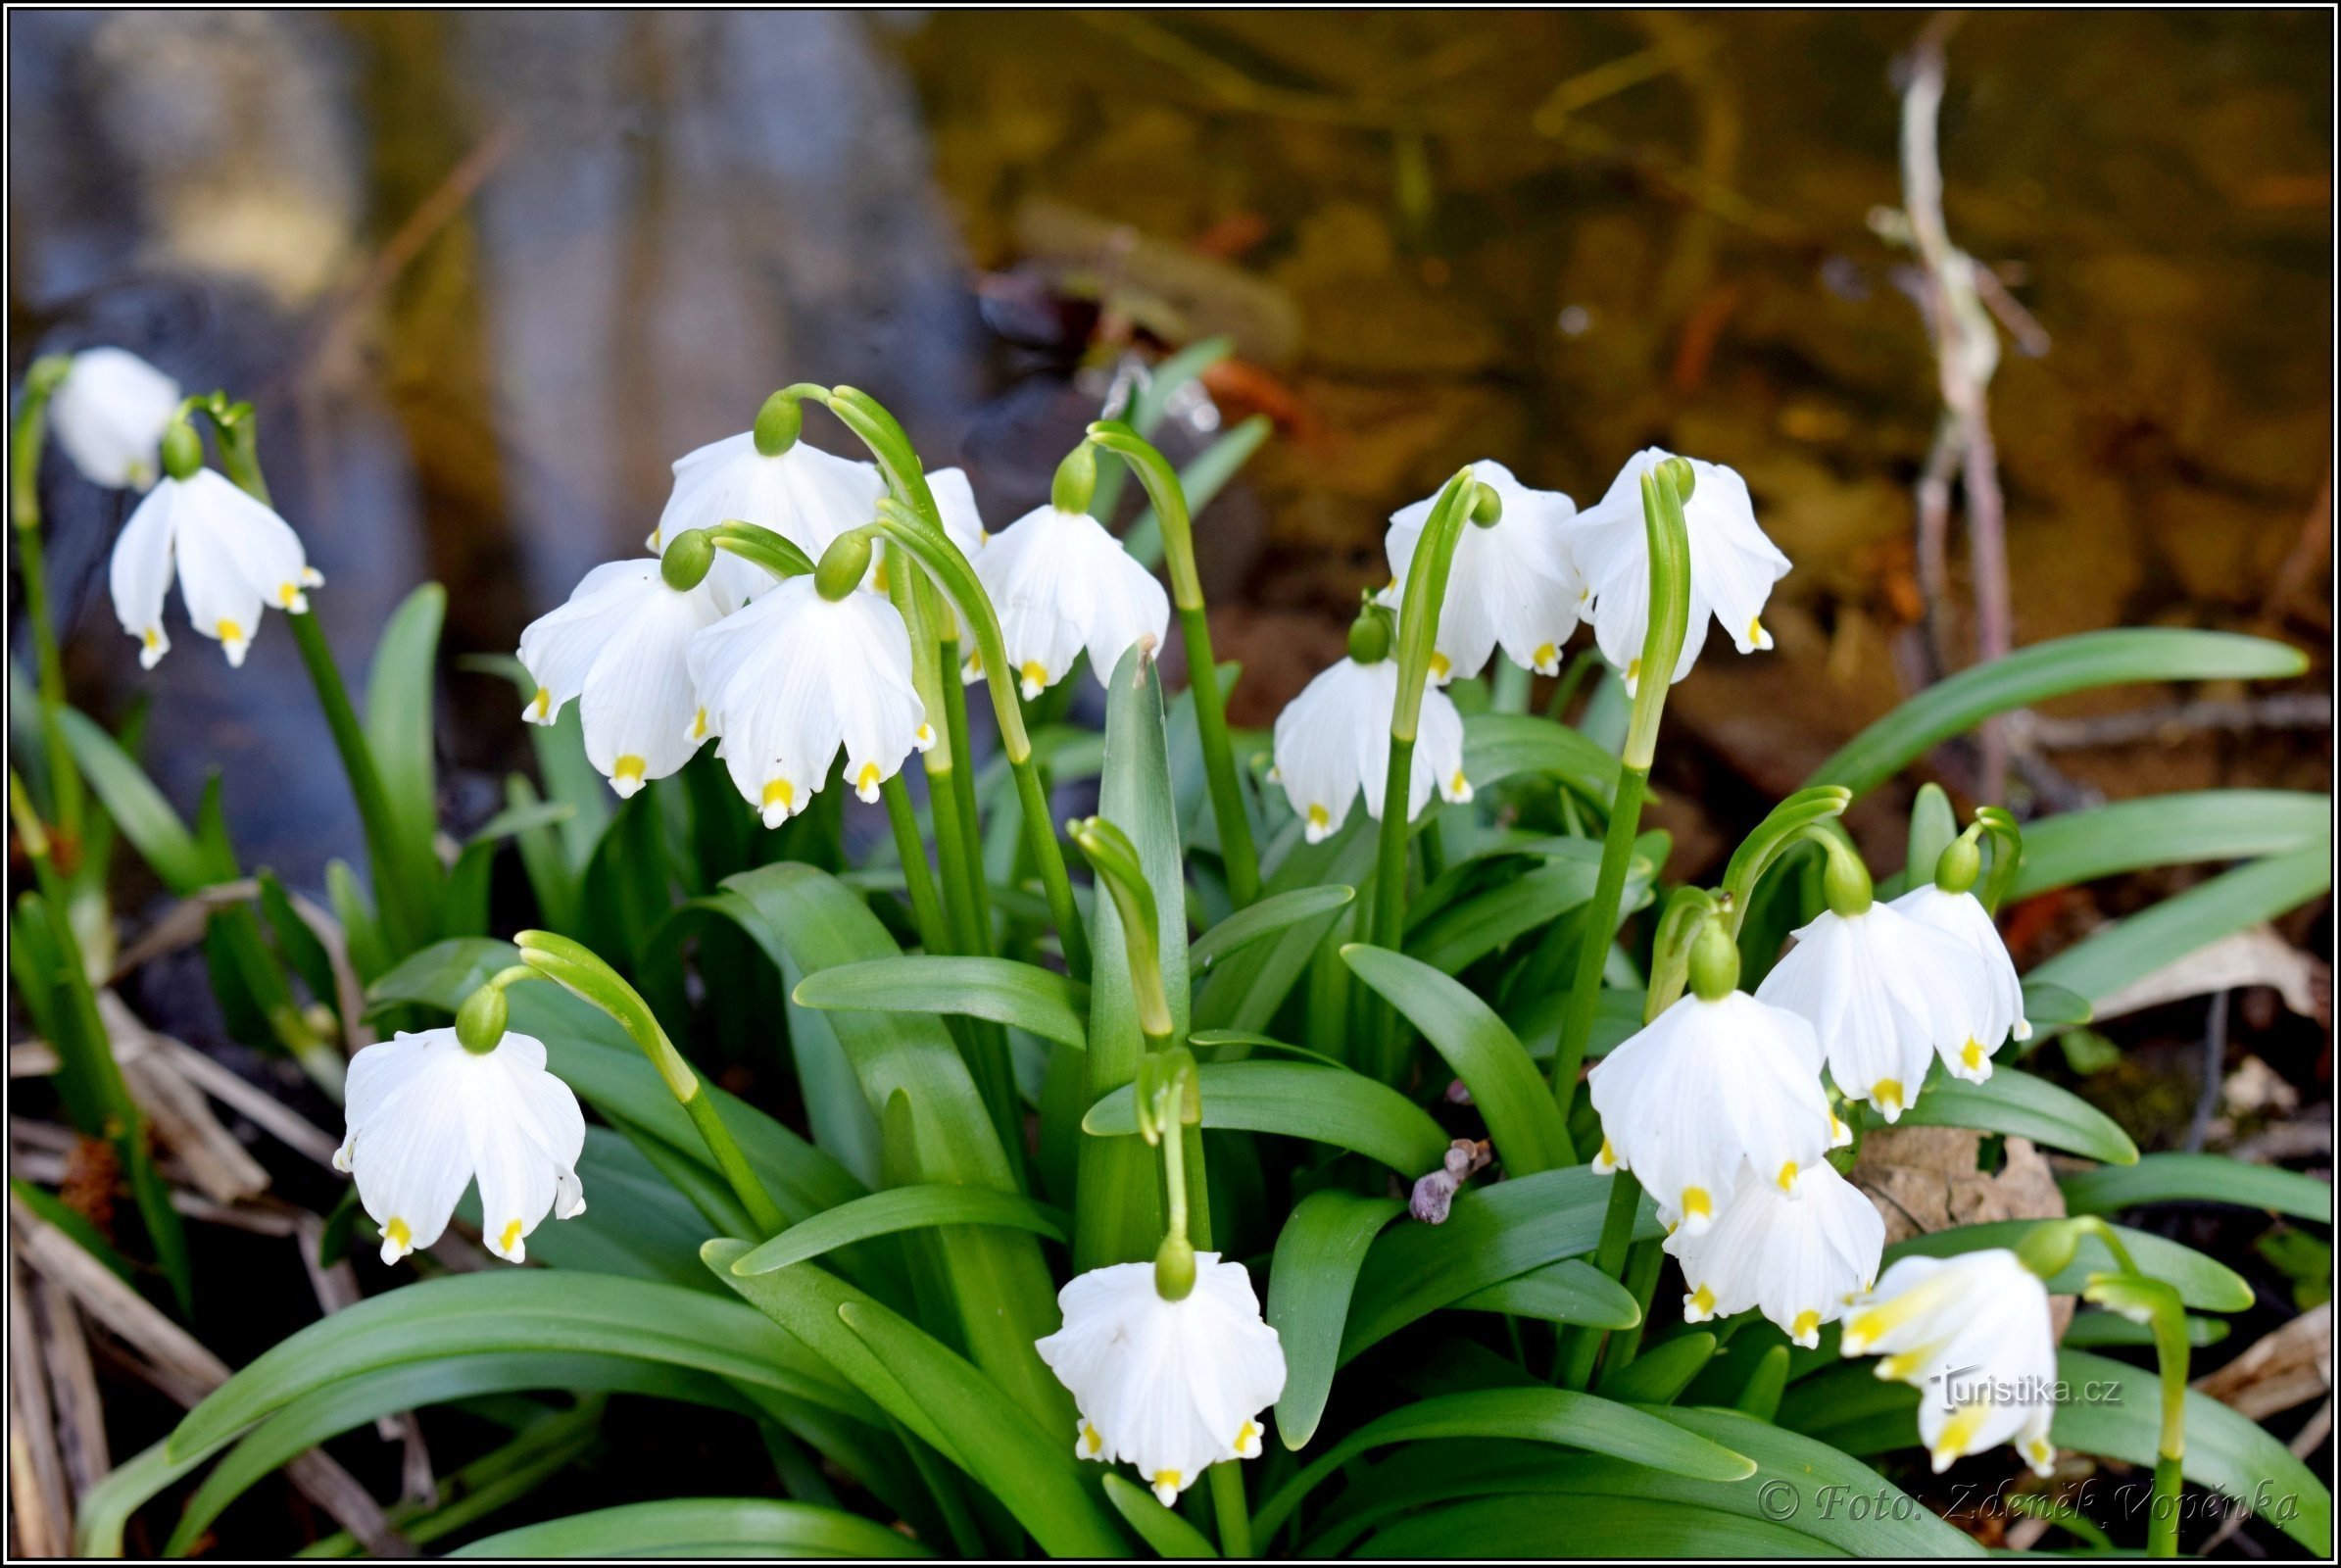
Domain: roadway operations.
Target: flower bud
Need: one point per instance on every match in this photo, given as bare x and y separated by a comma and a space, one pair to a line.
1678, 470
843, 565
1076, 480
1174, 1268
1486, 507
1960, 863
480, 1021
778, 423
2048, 1248
182, 451
1714, 962
687, 558
1369, 637
1845, 884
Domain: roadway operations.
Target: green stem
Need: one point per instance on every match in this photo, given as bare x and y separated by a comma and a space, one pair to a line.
406, 924
1235, 1517
1390, 885
25, 437
1581, 1347
2161, 1525
1601, 924
1510, 688
963, 858
925, 908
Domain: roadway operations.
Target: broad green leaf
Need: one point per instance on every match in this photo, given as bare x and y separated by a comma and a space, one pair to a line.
2201, 1283
902, 1209
937, 1395
637, 1222
2016, 1102
1528, 1526
2166, 830
1170, 1535
2198, 1178
2226, 1451
1661, 1372
1467, 932
700, 1527
1570, 1290
559, 747
518, 1309
1328, 1104
1318, 1254
139, 809
398, 731
2047, 1006
1491, 1234
2091, 1330
2034, 675
1559, 1416
1500, 746
1266, 918
1244, 990
1511, 1095
2134, 947
1024, 996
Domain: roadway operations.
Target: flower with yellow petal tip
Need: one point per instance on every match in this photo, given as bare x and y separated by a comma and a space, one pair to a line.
1796, 1258
1973, 1333
231, 555
1962, 915
1172, 1388
110, 413
1333, 741
1514, 581
1060, 583
426, 1116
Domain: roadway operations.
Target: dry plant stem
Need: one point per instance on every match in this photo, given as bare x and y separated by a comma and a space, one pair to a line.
80, 1413
40, 1511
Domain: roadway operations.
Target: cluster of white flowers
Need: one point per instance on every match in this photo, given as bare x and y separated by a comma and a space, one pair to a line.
1520, 581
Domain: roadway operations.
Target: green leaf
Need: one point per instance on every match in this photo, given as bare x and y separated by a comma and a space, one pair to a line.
2016, 1102
518, 1309
902, 1209
2092, 1330
75, 1224
2198, 1178
700, 1527
1491, 1234
139, 809
1527, 1526
1268, 917
1244, 990
938, 1397
1559, 1416
1318, 1254
2166, 830
2132, 947
2203, 1284
1328, 1104
1662, 1372
1024, 996
2047, 1006
1459, 936
398, 731
2226, 1451
1170, 1535
1511, 1095
1202, 479
569, 778
2033, 674
1570, 1290
1501, 746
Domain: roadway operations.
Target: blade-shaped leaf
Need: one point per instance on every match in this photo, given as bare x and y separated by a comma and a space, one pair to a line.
2019, 1103
1570, 1290
700, 1527
1266, 918
1318, 1254
1169, 1534
1500, 746
903, 1208
2198, 1178
1024, 996
1299, 1100
2134, 947
2201, 1282
2166, 830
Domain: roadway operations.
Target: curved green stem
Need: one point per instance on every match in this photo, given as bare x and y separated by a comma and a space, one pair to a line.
25, 437
1228, 809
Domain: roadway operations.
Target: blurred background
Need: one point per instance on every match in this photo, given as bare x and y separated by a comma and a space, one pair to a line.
488, 273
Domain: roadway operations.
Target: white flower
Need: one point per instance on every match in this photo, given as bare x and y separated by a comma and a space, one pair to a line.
793, 677
231, 556
1797, 1259
619, 647
1973, 1333
1513, 582
1884, 994
1061, 583
1711, 1095
1334, 740
110, 413
1170, 1386
1733, 565
955, 500
1962, 915
426, 1116
807, 496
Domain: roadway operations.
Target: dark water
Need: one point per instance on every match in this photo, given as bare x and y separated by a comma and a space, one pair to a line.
487, 274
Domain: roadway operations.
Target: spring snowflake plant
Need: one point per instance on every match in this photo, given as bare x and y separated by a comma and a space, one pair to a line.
1074, 1219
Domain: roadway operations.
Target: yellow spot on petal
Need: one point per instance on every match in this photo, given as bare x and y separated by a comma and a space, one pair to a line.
1607, 1160
1320, 820
1696, 1202
286, 593
878, 575
1459, 787
509, 1239
699, 725
1899, 1367
1167, 1483
1787, 1177
924, 737
1755, 631
1839, 1135
541, 705
1090, 1445
398, 1234
1547, 658
1034, 677
1886, 1094
1807, 1322
1247, 1439
153, 637
628, 769
1958, 1435
1439, 666
1971, 1054
1702, 1299
231, 632
975, 662
866, 782
781, 793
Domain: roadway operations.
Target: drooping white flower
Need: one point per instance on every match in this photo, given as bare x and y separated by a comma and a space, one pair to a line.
1973, 1334
110, 413
793, 677
1709, 1095
1962, 915
1885, 994
955, 500
807, 496
621, 646
1514, 582
1796, 1258
426, 1116
231, 556
1060, 583
1733, 565
1333, 741
1169, 1387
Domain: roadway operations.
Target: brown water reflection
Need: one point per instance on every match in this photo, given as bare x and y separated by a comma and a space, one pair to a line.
489, 273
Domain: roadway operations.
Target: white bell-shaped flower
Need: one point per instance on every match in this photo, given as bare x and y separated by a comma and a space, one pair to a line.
1710, 1094
1333, 741
110, 413
1733, 565
426, 1116
1962, 915
1169, 1387
1060, 583
231, 556
1798, 1259
1885, 994
1514, 583
807, 496
1973, 1333
793, 677
619, 646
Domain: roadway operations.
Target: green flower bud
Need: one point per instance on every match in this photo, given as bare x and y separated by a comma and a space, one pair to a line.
1076, 480
1678, 470
1845, 883
46, 374
480, 1021
1960, 863
182, 450
1174, 1269
1486, 507
778, 423
2047, 1249
1714, 962
843, 565
688, 556
1369, 636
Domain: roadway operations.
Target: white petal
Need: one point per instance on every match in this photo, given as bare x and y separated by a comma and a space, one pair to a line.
559, 647
413, 1158
640, 710
1060, 583
806, 495
1513, 583
1318, 757
143, 567
110, 413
